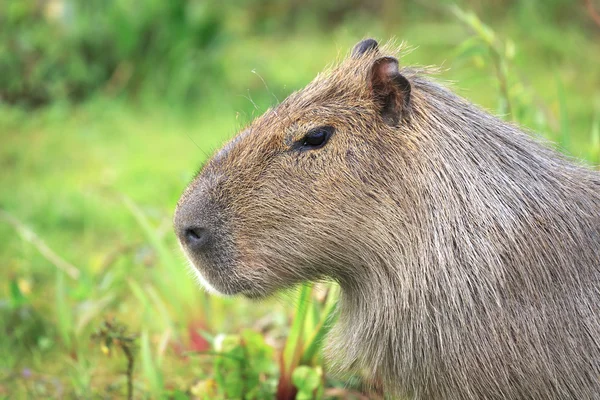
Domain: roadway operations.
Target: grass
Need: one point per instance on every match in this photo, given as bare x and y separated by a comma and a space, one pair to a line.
96, 184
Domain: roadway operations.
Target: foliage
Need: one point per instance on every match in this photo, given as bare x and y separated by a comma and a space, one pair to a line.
308, 382
244, 366
68, 49
54, 50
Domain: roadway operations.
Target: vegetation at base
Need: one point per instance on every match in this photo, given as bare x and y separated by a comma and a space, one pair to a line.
107, 110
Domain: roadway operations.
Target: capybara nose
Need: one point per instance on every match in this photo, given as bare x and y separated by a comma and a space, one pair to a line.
196, 237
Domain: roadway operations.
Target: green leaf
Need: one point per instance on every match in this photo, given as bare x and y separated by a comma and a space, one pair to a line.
17, 298
259, 353
179, 395
229, 366
307, 380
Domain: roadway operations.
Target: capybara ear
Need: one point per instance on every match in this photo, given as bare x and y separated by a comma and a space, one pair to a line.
363, 47
391, 90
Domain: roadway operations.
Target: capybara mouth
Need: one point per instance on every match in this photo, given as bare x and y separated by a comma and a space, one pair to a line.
216, 279
223, 276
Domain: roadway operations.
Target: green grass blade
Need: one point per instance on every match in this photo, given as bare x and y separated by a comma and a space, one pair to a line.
95, 308
160, 306
293, 346
328, 316
595, 140
64, 313
174, 280
150, 370
564, 139
164, 254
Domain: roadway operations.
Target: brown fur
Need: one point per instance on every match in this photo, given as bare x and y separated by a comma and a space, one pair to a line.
467, 252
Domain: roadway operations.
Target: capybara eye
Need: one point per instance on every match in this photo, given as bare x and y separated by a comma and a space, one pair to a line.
316, 138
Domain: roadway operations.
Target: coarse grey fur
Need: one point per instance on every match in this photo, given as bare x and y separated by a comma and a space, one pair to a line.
488, 285
468, 252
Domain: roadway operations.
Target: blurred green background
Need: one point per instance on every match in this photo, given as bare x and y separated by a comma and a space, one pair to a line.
109, 107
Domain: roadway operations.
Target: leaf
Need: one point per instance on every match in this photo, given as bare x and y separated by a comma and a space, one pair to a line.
260, 354
17, 298
229, 366
307, 380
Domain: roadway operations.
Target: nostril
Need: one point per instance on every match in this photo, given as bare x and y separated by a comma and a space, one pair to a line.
196, 236
193, 234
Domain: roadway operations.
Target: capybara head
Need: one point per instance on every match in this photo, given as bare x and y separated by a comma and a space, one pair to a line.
293, 197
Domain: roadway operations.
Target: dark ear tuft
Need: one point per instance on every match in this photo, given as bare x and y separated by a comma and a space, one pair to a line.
391, 90
364, 46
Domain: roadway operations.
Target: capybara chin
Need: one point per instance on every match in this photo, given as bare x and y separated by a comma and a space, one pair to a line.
468, 252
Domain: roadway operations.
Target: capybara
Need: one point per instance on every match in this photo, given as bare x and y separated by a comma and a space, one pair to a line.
467, 251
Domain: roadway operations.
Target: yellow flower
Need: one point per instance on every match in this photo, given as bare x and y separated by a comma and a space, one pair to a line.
24, 285
204, 388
